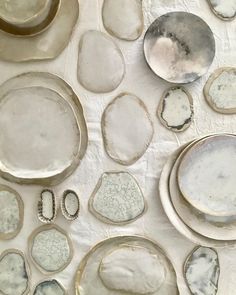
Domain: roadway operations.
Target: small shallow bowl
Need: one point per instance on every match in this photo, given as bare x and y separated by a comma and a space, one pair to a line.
179, 47
29, 23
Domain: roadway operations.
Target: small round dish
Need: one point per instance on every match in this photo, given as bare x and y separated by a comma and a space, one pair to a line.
172, 215
207, 173
212, 227
105, 265
35, 25
179, 47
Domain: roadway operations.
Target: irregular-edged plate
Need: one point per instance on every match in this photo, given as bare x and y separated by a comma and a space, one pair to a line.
206, 175
50, 249
225, 10
202, 271
43, 129
179, 47
123, 18
14, 273
47, 44
49, 287
11, 213
109, 256
219, 228
123, 115
117, 199
175, 109
172, 215
220, 90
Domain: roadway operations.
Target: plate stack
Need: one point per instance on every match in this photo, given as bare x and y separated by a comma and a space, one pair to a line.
198, 190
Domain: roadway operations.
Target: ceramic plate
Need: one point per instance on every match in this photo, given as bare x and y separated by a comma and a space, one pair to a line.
43, 129
207, 173
179, 47
211, 227
172, 214
152, 273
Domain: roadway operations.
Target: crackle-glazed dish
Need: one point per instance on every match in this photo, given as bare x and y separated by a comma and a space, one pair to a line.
43, 129
179, 47
126, 265
27, 27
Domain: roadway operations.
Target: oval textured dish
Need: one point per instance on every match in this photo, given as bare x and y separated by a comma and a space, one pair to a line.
44, 129
179, 47
211, 227
55, 38
47, 209
172, 215
111, 255
225, 10
70, 205
32, 29
11, 213
50, 249
206, 175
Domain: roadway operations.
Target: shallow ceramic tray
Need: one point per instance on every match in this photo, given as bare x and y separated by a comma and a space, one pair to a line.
179, 47
172, 214
55, 170
206, 175
89, 266
211, 227
32, 29
55, 38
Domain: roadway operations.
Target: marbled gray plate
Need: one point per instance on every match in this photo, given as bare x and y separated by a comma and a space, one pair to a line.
179, 47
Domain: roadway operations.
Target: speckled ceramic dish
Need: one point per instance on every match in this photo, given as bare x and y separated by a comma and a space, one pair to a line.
47, 209
43, 129
44, 41
179, 47
171, 213
70, 205
49, 287
27, 18
206, 175
126, 265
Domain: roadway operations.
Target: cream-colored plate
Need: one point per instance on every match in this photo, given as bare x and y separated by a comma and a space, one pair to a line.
172, 214
91, 265
46, 45
212, 227
207, 173
44, 134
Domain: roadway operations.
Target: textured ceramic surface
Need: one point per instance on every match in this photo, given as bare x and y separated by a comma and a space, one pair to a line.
219, 228
101, 65
117, 198
50, 249
220, 90
123, 19
14, 273
202, 271
50, 287
172, 214
46, 45
47, 206
175, 109
56, 136
225, 10
121, 117
207, 174
70, 205
111, 254
11, 213
179, 47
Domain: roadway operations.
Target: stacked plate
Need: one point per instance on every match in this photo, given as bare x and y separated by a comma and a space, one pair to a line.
198, 190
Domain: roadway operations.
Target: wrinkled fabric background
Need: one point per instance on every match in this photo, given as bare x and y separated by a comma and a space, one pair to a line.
87, 231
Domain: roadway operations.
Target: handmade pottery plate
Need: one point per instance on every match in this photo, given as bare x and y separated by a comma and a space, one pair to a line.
70, 205
47, 209
172, 214
50, 249
43, 129
206, 175
11, 213
212, 227
55, 33
13, 17
49, 287
179, 47
225, 10
153, 274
